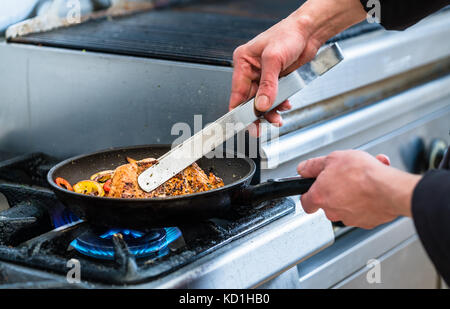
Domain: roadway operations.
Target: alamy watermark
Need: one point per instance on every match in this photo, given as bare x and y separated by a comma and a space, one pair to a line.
66, 11
374, 273
374, 14
74, 273
74, 14
237, 144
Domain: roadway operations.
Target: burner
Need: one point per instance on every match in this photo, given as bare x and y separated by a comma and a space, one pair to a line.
153, 243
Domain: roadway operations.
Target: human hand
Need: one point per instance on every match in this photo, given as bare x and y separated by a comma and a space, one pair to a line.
285, 47
357, 189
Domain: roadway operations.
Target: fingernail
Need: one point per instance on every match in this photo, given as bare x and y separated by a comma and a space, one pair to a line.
278, 124
300, 167
278, 121
384, 159
262, 103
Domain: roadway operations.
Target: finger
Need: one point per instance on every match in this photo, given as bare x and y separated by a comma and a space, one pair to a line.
307, 201
253, 90
311, 168
274, 118
285, 106
242, 81
384, 159
268, 85
240, 88
251, 94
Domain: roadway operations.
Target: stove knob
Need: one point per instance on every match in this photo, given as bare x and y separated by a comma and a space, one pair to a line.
413, 154
436, 153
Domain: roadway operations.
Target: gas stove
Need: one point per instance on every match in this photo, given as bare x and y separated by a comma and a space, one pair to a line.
38, 232
158, 68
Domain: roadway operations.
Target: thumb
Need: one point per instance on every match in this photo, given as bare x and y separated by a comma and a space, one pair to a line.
311, 168
268, 85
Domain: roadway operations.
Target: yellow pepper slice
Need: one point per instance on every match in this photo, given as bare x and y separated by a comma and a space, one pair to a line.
89, 187
102, 176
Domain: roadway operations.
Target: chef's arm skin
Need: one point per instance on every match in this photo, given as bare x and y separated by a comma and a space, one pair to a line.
285, 47
358, 189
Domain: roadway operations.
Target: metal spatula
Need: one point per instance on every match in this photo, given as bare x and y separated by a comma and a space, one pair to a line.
233, 122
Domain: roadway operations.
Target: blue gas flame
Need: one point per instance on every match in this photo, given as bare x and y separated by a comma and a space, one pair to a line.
152, 244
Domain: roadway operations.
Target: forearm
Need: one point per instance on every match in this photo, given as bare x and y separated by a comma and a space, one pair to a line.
322, 19
396, 188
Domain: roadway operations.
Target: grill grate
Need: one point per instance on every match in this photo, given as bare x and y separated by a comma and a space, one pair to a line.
203, 31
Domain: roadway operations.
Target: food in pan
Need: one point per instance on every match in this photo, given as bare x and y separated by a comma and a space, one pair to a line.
63, 183
122, 182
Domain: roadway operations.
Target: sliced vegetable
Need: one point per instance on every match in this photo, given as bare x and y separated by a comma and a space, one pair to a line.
102, 176
107, 185
89, 187
63, 183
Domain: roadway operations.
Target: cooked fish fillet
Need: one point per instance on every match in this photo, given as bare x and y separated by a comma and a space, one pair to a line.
193, 179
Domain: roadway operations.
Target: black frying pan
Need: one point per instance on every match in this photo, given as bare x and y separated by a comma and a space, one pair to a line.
169, 211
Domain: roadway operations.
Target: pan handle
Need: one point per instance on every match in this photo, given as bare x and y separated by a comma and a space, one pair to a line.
274, 188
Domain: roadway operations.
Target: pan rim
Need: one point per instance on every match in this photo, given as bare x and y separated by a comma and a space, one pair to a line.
52, 183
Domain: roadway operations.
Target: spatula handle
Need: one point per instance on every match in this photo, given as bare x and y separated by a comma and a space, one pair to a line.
325, 60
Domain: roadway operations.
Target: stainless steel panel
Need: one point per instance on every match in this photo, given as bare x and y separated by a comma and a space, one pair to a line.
407, 266
67, 102
362, 97
287, 280
351, 252
423, 104
256, 258
377, 119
